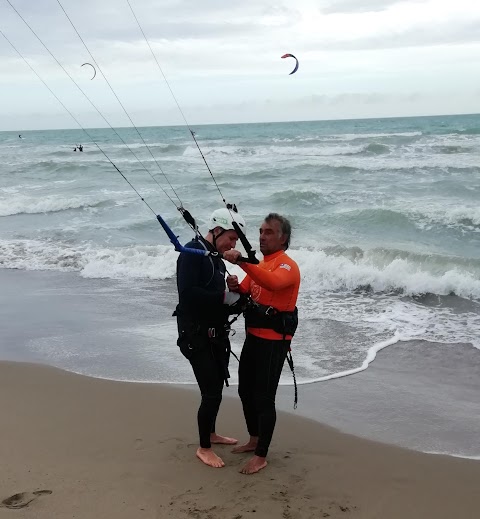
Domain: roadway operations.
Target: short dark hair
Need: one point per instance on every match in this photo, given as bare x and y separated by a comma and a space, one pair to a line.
285, 226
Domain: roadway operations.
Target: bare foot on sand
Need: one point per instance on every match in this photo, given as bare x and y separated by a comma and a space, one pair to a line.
224, 440
250, 446
209, 458
254, 465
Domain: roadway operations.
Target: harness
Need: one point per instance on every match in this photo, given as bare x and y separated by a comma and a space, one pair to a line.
263, 316
194, 336
284, 323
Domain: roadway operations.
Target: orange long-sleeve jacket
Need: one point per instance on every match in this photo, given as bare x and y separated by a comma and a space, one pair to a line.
275, 282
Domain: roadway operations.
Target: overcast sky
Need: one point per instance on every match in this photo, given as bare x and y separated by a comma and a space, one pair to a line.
358, 58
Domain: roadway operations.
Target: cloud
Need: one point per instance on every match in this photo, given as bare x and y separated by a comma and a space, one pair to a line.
359, 6
397, 25
160, 19
228, 53
445, 33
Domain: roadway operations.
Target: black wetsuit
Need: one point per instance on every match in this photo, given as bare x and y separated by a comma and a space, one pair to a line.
201, 319
261, 364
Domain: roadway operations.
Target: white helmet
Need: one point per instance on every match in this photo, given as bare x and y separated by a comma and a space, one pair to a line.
224, 218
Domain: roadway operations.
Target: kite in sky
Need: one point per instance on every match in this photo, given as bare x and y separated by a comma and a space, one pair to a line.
94, 70
296, 65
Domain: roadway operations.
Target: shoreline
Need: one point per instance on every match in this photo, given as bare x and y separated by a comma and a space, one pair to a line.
362, 417
120, 450
347, 404
415, 394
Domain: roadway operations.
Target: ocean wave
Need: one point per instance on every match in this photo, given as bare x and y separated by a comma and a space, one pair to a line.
464, 215
372, 148
22, 204
423, 217
39, 255
467, 131
449, 149
362, 136
375, 216
410, 320
290, 151
346, 136
295, 197
114, 151
260, 174
61, 166
386, 271
463, 218
70, 153
154, 148
241, 151
330, 270
136, 261
151, 262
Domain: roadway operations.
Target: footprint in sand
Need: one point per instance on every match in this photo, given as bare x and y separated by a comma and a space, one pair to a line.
23, 499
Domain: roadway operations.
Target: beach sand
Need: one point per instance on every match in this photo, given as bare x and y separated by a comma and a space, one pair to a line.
119, 450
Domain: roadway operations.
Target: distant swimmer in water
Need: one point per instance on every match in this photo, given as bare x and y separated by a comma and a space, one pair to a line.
20, 137
80, 147
75, 149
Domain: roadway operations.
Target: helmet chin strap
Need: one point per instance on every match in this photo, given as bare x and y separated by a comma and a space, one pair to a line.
215, 238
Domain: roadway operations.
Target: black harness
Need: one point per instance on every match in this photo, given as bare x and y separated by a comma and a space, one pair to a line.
262, 316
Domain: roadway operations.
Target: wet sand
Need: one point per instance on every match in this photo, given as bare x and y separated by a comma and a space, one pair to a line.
118, 450
415, 394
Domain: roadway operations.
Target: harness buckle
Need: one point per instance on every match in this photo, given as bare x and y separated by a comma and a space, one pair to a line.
270, 311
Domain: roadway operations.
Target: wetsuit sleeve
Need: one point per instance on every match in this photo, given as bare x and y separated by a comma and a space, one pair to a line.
278, 279
190, 290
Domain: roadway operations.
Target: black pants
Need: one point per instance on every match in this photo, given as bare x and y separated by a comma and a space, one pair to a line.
209, 361
261, 364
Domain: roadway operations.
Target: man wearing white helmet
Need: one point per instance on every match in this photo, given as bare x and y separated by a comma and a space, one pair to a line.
224, 218
202, 315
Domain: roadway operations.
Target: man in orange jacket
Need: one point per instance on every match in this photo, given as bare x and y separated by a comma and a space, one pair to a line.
271, 321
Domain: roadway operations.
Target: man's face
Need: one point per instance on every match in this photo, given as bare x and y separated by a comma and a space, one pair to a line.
271, 238
226, 241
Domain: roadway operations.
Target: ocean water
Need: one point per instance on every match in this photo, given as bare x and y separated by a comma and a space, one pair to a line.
385, 213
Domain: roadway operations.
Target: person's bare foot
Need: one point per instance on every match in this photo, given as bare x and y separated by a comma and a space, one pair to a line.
254, 465
209, 458
250, 446
223, 440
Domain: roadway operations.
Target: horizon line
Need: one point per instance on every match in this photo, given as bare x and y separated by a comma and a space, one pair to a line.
251, 123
